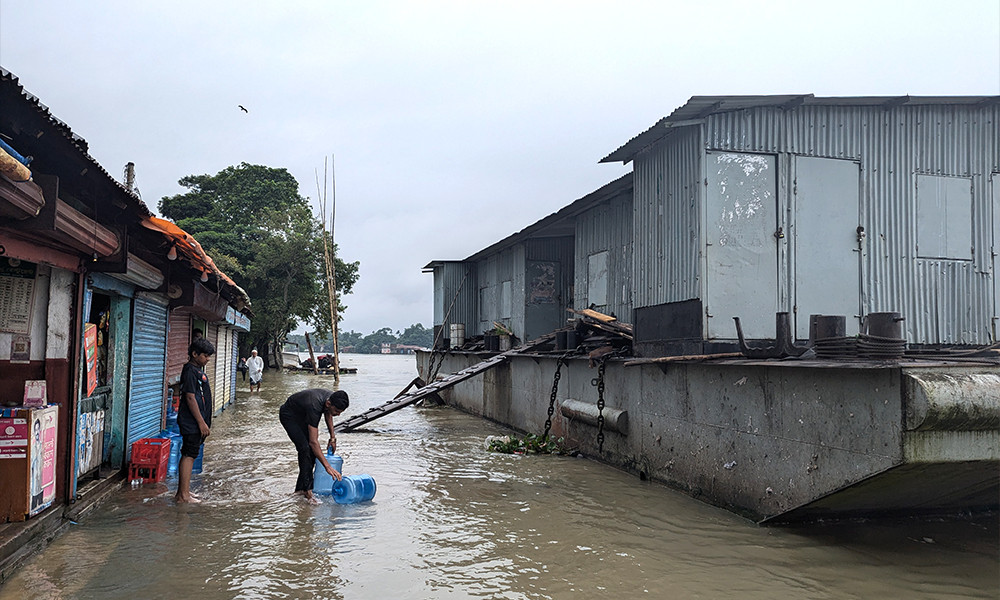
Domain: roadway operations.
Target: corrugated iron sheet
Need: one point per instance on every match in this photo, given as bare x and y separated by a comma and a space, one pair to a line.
607, 227
455, 289
944, 301
666, 215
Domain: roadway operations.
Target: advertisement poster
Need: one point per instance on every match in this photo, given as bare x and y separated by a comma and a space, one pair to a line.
35, 395
90, 355
20, 349
17, 291
13, 438
43, 457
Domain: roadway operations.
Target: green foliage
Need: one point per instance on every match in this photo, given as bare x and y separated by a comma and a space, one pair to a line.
529, 444
417, 335
262, 233
414, 335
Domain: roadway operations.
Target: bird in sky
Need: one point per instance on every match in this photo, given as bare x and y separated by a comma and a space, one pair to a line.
243, 108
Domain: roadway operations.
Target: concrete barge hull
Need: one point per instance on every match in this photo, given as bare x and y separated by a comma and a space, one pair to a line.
769, 440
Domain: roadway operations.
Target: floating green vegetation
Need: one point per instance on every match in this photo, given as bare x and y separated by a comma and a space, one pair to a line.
529, 444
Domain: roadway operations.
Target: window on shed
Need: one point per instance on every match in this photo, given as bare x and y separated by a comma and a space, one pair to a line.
944, 217
487, 304
597, 278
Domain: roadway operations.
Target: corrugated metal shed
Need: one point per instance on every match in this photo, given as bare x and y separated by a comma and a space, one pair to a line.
950, 143
496, 287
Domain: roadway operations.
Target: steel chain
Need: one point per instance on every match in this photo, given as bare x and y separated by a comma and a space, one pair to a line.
600, 405
552, 397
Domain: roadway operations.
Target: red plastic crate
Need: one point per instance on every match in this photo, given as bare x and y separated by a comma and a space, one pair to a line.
150, 457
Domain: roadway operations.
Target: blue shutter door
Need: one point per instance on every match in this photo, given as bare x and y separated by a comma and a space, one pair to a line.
149, 349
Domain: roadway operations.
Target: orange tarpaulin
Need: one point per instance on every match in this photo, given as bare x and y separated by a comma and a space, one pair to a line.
185, 244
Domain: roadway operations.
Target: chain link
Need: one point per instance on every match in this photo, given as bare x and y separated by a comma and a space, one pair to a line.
600, 404
552, 396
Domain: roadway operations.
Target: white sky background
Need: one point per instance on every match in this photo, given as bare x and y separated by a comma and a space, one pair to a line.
454, 124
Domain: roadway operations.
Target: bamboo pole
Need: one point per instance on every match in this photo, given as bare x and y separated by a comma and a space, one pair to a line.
331, 270
312, 355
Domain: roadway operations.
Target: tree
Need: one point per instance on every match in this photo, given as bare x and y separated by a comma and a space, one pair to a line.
255, 225
417, 335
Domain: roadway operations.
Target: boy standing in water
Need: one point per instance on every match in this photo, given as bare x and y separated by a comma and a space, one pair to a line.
195, 413
300, 416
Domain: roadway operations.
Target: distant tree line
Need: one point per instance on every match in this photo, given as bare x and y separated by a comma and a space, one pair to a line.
353, 341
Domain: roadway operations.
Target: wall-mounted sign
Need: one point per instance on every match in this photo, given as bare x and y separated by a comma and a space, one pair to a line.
34, 393
13, 437
17, 289
20, 349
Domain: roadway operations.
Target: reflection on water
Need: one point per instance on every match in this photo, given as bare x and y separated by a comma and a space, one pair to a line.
451, 520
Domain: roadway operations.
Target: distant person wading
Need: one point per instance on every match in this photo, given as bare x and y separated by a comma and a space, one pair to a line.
255, 364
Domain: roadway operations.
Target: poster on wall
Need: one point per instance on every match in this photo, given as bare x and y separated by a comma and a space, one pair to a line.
20, 349
35, 395
13, 437
43, 458
542, 284
17, 289
90, 355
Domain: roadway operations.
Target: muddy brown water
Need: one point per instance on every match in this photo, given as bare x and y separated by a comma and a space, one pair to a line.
451, 520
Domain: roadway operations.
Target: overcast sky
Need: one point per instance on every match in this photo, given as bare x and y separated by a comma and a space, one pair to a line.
453, 124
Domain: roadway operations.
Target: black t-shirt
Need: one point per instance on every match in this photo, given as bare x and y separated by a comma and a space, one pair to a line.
307, 406
194, 381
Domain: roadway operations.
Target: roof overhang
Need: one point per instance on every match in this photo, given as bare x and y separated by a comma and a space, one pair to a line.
699, 108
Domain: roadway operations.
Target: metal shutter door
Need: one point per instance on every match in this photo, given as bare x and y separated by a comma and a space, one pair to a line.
147, 386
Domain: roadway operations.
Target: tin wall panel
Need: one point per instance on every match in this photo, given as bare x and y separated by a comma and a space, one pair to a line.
455, 297
665, 220
491, 272
943, 301
606, 228
559, 250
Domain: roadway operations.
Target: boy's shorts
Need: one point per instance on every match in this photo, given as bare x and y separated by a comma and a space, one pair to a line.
192, 444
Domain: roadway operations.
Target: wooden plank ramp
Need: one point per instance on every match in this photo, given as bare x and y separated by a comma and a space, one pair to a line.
409, 397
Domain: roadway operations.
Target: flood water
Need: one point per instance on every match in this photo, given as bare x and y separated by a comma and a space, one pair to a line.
451, 520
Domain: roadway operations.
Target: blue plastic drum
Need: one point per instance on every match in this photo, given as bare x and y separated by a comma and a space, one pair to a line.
353, 489
323, 481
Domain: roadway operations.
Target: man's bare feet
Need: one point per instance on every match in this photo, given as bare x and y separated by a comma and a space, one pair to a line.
190, 499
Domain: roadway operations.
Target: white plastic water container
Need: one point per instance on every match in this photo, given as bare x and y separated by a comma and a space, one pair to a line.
353, 489
323, 481
457, 331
